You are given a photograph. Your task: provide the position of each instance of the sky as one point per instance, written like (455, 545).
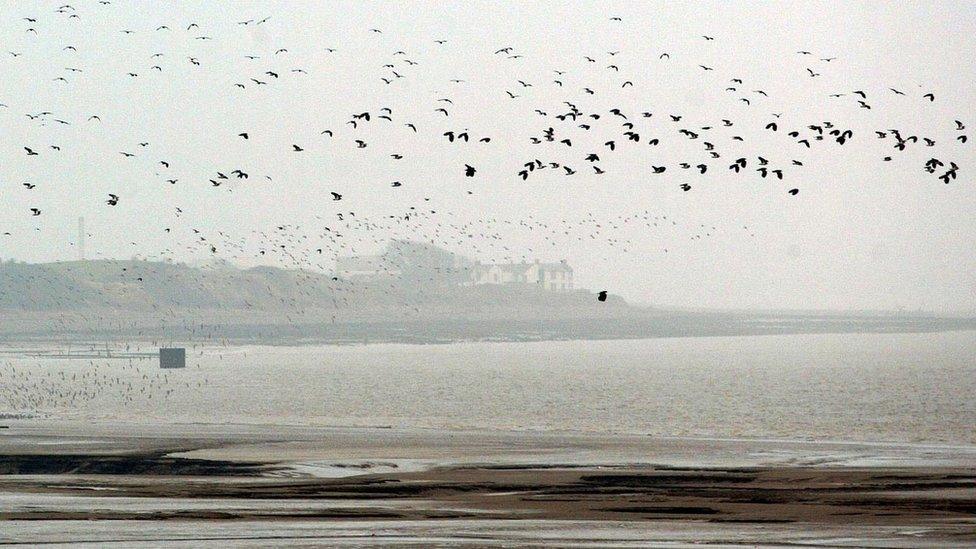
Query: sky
(861, 234)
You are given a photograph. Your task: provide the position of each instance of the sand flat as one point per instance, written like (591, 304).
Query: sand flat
(306, 486)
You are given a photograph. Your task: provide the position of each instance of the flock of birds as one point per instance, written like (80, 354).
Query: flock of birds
(578, 126)
(577, 120)
(563, 138)
(31, 386)
(597, 133)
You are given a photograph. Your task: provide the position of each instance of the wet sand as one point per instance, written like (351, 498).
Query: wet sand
(295, 485)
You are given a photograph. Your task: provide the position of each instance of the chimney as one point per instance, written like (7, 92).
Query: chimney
(81, 238)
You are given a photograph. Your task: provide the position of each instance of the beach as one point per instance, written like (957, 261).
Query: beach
(185, 485)
(810, 439)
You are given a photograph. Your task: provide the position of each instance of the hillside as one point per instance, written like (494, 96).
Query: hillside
(124, 300)
(145, 286)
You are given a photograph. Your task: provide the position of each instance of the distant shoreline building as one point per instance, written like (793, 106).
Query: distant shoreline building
(550, 276)
(407, 260)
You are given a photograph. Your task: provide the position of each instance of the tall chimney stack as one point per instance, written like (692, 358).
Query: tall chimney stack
(81, 238)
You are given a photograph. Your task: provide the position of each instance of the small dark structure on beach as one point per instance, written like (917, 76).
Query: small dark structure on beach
(172, 357)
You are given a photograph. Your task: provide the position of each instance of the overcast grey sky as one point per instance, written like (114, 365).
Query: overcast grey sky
(862, 233)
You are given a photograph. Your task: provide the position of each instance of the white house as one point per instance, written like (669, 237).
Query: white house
(409, 260)
(550, 276)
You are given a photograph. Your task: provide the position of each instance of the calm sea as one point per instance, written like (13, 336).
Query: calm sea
(862, 387)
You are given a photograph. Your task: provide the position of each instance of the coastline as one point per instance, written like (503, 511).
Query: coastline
(238, 327)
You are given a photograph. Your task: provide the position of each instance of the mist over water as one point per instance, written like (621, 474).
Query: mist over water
(860, 387)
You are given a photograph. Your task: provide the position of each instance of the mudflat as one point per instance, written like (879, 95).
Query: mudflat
(397, 481)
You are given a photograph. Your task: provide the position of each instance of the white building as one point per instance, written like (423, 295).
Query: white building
(550, 276)
(414, 261)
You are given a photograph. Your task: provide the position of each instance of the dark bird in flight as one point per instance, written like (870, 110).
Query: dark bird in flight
(113, 200)
(794, 192)
(30, 152)
(602, 296)
(296, 148)
(336, 196)
(469, 171)
(243, 134)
